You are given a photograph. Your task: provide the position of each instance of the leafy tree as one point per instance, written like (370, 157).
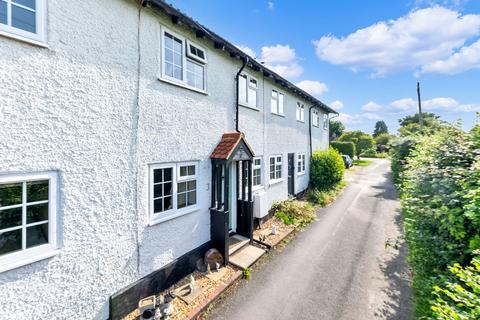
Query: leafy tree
(383, 139)
(362, 140)
(336, 129)
(410, 124)
(327, 169)
(380, 128)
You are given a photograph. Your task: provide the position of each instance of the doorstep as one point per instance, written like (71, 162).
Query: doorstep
(246, 256)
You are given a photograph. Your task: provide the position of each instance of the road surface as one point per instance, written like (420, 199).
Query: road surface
(346, 265)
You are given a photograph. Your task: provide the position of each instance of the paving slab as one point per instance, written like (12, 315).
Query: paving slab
(246, 256)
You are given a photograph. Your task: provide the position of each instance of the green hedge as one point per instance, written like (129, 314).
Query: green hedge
(346, 147)
(439, 181)
(327, 169)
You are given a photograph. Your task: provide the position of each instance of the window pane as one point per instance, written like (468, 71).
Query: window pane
(192, 185)
(242, 88)
(191, 170)
(157, 175)
(27, 3)
(177, 45)
(10, 218)
(3, 12)
(23, 19)
(167, 174)
(37, 235)
(258, 162)
(10, 194)
(192, 198)
(183, 171)
(280, 103)
(190, 79)
(157, 190)
(169, 69)
(10, 241)
(177, 59)
(37, 213)
(167, 203)
(157, 205)
(182, 187)
(37, 191)
(182, 200)
(273, 106)
(177, 73)
(168, 41)
(169, 55)
(252, 97)
(167, 189)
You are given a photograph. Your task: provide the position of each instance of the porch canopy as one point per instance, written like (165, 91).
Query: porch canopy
(232, 150)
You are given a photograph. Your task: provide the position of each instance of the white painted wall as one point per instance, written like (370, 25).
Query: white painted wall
(72, 107)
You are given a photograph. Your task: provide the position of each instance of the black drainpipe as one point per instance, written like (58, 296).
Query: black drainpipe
(245, 61)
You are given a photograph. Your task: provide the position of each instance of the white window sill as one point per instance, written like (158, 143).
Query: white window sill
(182, 85)
(175, 214)
(256, 188)
(301, 173)
(248, 107)
(276, 181)
(301, 121)
(23, 39)
(279, 114)
(48, 253)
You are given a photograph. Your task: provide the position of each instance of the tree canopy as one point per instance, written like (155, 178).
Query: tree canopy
(411, 124)
(362, 140)
(336, 129)
(380, 127)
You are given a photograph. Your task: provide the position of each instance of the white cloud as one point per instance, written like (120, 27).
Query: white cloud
(403, 104)
(407, 43)
(278, 54)
(247, 50)
(337, 104)
(282, 59)
(347, 119)
(445, 104)
(371, 106)
(467, 58)
(315, 88)
(270, 5)
(372, 116)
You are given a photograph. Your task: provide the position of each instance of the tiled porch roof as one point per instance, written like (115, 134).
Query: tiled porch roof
(227, 145)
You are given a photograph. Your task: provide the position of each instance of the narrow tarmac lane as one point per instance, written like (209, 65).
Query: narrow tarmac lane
(340, 267)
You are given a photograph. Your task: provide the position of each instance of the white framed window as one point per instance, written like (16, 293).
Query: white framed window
(257, 172)
(325, 121)
(173, 190)
(23, 19)
(301, 163)
(275, 168)
(183, 62)
(277, 102)
(300, 112)
(247, 91)
(315, 118)
(28, 218)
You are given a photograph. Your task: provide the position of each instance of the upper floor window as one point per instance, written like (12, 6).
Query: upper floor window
(27, 218)
(173, 189)
(183, 61)
(277, 102)
(275, 168)
(247, 91)
(257, 172)
(301, 163)
(315, 118)
(300, 112)
(325, 121)
(23, 18)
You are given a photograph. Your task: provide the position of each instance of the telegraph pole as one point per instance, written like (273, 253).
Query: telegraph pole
(420, 116)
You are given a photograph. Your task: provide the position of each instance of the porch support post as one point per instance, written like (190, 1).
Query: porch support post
(219, 186)
(214, 175)
(227, 189)
(250, 182)
(249, 203)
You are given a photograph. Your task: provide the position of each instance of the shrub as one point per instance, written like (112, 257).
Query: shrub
(361, 140)
(383, 139)
(398, 153)
(294, 212)
(369, 153)
(327, 169)
(459, 298)
(323, 198)
(345, 147)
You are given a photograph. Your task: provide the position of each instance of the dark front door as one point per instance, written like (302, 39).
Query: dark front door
(291, 174)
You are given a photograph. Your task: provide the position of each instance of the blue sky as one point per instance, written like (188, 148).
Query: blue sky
(362, 57)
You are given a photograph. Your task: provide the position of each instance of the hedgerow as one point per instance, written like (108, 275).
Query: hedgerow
(344, 147)
(438, 177)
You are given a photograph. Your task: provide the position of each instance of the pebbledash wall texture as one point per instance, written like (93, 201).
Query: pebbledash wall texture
(90, 106)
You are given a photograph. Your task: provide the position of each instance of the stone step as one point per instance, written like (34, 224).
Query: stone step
(236, 243)
(246, 256)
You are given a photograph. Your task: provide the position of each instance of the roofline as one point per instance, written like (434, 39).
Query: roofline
(220, 43)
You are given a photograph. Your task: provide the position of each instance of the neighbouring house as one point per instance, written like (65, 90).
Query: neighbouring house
(133, 139)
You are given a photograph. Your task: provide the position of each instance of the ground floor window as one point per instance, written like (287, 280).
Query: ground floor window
(173, 189)
(257, 172)
(301, 163)
(275, 168)
(27, 217)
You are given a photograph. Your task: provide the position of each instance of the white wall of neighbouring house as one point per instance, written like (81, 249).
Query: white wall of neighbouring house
(70, 108)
